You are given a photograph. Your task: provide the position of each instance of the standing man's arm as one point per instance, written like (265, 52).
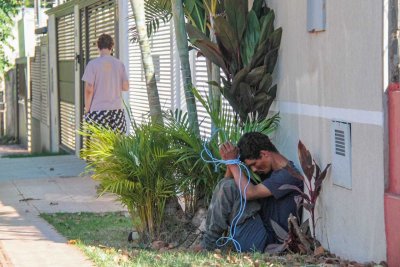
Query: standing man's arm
(125, 86)
(88, 96)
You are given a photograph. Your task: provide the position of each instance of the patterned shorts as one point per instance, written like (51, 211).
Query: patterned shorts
(114, 119)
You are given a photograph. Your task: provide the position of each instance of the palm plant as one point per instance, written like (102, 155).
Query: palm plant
(137, 168)
(246, 51)
(195, 178)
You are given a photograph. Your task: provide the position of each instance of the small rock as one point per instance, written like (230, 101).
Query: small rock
(319, 251)
(199, 217)
(157, 245)
(51, 169)
(133, 236)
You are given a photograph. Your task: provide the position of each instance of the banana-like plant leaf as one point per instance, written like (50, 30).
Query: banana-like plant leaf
(211, 51)
(305, 161)
(295, 188)
(272, 94)
(267, 25)
(319, 179)
(250, 38)
(236, 13)
(227, 42)
(258, 57)
(270, 60)
(238, 78)
(275, 38)
(196, 13)
(194, 33)
(255, 75)
(281, 233)
(257, 7)
(246, 97)
(265, 83)
(260, 100)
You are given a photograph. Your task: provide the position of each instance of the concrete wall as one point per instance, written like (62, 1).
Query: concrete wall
(337, 74)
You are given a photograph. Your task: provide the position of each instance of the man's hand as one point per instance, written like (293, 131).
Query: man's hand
(228, 151)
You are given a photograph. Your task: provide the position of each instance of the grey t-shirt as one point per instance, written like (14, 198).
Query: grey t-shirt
(278, 206)
(106, 74)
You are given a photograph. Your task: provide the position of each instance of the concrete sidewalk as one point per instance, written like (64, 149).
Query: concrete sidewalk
(30, 186)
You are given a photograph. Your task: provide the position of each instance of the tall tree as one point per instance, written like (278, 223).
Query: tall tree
(183, 49)
(157, 10)
(8, 9)
(151, 84)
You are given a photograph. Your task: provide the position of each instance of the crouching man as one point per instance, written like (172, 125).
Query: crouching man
(265, 201)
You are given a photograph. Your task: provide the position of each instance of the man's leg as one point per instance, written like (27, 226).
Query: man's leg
(251, 235)
(225, 204)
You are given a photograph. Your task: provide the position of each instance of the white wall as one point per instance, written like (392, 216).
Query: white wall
(337, 74)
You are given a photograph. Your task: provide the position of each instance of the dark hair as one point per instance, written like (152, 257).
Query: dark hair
(251, 144)
(105, 41)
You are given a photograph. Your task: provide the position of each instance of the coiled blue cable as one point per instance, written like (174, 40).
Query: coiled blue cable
(222, 241)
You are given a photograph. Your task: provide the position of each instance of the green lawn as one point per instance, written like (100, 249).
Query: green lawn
(103, 238)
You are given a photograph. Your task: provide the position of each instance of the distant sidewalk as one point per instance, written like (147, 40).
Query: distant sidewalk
(30, 186)
(12, 150)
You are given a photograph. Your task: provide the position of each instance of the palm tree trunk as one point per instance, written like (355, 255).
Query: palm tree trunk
(182, 44)
(151, 84)
(214, 74)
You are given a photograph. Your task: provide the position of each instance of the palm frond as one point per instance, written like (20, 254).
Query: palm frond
(155, 11)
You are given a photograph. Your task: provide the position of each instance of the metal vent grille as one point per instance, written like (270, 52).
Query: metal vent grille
(340, 148)
(341, 154)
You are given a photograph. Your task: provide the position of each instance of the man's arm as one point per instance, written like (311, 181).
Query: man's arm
(125, 86)
(229, 151)
(252, 191)
(88, 96)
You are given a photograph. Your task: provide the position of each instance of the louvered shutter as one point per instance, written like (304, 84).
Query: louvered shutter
(39, 83)
(161, 51)
(65, 57)
(200, 78)
(101, 18)
(44, 82)
(35, 83)
(200, 81)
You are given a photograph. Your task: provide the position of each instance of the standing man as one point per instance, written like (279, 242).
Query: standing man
(105, 78)
(265, 201)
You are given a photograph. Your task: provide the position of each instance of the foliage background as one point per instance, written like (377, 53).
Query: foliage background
(8, 9)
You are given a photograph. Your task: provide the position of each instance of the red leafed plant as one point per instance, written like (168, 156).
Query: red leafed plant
(297, 236)
(311, 170)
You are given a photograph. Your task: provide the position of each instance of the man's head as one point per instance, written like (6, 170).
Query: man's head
(105, 41)
(256, 150)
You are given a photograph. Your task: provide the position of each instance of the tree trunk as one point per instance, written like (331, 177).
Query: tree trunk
(182, 44)
(214, 74)
(151, 84)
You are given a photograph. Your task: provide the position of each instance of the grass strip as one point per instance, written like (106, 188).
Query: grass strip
(103, 238)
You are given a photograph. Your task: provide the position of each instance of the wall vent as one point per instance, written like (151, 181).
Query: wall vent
(341, 150)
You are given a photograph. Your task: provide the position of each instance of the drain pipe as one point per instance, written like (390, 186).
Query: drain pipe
(392, 192)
